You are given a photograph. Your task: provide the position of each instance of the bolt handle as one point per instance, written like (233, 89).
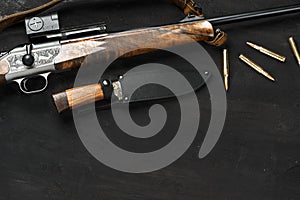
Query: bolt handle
(28, 58)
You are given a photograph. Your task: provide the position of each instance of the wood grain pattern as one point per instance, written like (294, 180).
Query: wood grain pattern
(84, 95)
(77, 97)
(121, 44)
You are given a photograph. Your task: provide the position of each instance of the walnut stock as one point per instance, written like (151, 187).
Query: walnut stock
(121, 44)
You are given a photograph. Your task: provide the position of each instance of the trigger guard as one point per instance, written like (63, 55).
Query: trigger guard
(23, 87)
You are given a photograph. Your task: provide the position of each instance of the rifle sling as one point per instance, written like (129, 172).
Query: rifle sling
(189, 7)
(219, 39)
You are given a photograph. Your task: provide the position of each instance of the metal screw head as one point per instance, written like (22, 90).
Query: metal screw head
(36, 24)
(206, 73)
(218, 30)
(105, 82)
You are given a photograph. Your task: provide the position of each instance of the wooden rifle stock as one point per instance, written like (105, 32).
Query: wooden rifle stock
(121, 44)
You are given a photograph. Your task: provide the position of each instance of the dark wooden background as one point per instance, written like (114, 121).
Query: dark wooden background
(257, 156)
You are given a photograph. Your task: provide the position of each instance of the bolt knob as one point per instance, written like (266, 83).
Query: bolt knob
(28, 60)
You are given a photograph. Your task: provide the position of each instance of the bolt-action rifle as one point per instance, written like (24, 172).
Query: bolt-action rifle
(23, 63)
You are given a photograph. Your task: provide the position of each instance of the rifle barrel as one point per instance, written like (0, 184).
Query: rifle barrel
(255, 15)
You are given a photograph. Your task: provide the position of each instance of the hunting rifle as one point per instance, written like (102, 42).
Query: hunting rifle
(32, 60)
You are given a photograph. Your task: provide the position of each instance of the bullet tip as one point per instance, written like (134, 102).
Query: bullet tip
(250, 44)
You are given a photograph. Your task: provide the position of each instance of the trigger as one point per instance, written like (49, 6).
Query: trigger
(24, 82)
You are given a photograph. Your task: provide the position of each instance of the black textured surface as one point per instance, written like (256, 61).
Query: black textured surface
(257, 156)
